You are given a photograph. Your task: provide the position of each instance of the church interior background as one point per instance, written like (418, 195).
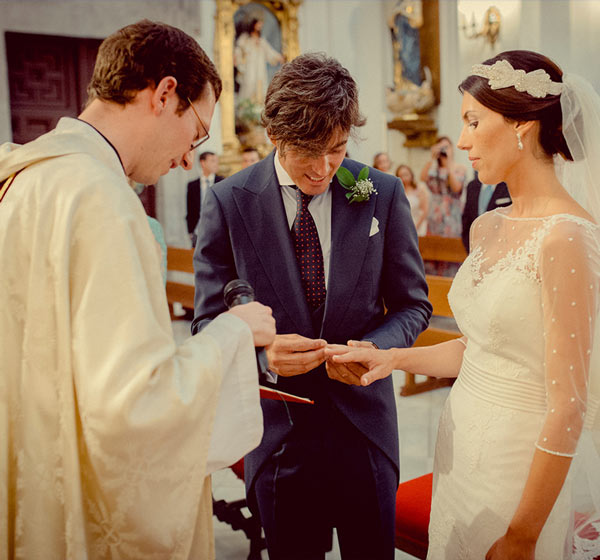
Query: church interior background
(454, 34)
(407, 56)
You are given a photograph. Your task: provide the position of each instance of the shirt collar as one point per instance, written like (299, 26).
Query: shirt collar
(284, 179)
(282, 174)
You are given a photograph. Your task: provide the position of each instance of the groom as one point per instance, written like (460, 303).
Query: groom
(331, 271)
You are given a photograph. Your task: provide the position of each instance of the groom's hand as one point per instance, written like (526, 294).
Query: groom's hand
(351, 372)
(292, 354)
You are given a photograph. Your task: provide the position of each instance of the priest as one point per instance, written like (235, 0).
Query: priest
(109, 430)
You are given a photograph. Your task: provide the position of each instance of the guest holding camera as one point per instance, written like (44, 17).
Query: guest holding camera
(445, 180)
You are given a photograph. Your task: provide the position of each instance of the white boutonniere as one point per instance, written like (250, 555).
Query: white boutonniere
(359, 189)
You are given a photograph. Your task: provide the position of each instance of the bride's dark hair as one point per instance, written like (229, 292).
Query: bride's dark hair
(521, 106)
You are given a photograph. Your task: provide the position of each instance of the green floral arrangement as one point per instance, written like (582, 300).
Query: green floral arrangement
(359, 189)
(249, 112)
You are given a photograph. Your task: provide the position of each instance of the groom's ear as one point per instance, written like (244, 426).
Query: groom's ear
(273, 140)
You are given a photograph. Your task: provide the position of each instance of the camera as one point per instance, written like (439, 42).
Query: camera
(441, 154)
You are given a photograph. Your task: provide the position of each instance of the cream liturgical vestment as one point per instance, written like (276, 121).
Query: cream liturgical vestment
(108, 429)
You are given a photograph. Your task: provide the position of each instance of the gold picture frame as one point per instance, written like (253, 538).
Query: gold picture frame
(286, 12)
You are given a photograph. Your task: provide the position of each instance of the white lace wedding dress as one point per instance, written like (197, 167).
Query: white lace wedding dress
(525, 298)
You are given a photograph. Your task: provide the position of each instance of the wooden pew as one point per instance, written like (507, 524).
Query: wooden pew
(180, 260)
(436, 248)
(440, 329)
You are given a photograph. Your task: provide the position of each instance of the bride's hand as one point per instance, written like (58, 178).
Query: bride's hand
(377, 363)
(349, 373)
(506, 548)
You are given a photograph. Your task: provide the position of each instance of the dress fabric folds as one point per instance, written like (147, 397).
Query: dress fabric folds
(525, 298)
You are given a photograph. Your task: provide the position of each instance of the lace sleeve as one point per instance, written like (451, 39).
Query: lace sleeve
(569, 277)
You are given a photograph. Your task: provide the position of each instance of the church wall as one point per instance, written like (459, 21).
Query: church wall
(97, 19)
(355, 32)
(89, 19)
(566, 31)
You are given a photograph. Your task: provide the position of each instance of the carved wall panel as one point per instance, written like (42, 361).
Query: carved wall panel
(47, 78)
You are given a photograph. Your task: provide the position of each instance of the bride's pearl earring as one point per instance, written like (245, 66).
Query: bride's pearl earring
(519, 143)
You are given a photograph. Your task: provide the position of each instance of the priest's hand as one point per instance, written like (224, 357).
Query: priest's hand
(292, 354)
(260, 319)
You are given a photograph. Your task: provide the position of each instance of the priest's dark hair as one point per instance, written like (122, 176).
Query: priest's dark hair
(142, 54)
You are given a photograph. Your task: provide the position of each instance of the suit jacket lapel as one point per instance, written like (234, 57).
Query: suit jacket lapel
(499, 192)
(261, 207)
(350, 229)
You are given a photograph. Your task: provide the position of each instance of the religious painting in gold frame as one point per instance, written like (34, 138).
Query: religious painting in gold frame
(286, 14)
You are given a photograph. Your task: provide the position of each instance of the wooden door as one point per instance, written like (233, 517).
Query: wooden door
(48, 77)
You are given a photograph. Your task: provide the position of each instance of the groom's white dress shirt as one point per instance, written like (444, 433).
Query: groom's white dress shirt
(319, 206)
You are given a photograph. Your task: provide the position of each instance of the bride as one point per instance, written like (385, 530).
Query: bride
(516, 442)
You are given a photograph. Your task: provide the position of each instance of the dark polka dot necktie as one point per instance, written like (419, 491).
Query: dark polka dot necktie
(308, 252)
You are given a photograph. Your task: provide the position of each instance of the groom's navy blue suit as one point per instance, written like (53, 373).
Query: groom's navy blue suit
(376, 291)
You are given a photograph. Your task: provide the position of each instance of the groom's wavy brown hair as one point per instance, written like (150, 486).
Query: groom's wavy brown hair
(308, 100)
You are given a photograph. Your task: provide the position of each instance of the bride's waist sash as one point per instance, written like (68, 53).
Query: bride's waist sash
(510, 392)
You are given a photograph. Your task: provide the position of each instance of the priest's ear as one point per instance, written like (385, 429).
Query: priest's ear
(164, 94)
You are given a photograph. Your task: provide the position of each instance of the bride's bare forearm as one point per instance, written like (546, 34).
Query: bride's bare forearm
(544, 483)
(439, 360)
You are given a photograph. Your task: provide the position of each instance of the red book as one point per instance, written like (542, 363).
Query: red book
(269, 393)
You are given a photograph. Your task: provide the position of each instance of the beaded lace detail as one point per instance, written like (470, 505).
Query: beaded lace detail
(501, 74)
(538, 277)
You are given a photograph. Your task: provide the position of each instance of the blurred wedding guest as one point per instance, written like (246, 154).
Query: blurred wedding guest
(110, 430)
(197, 189)
(517, 465)
(249, 156)
(382, 162)
(480, 199)
(418, 198)
(445, 180)
(157, 230)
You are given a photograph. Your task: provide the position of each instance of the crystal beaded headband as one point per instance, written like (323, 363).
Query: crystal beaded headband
(501, 74)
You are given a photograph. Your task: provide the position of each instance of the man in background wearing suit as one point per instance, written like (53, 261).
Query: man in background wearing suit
(481, 199)
(197, 189)
(325, 266)
(249, 157)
